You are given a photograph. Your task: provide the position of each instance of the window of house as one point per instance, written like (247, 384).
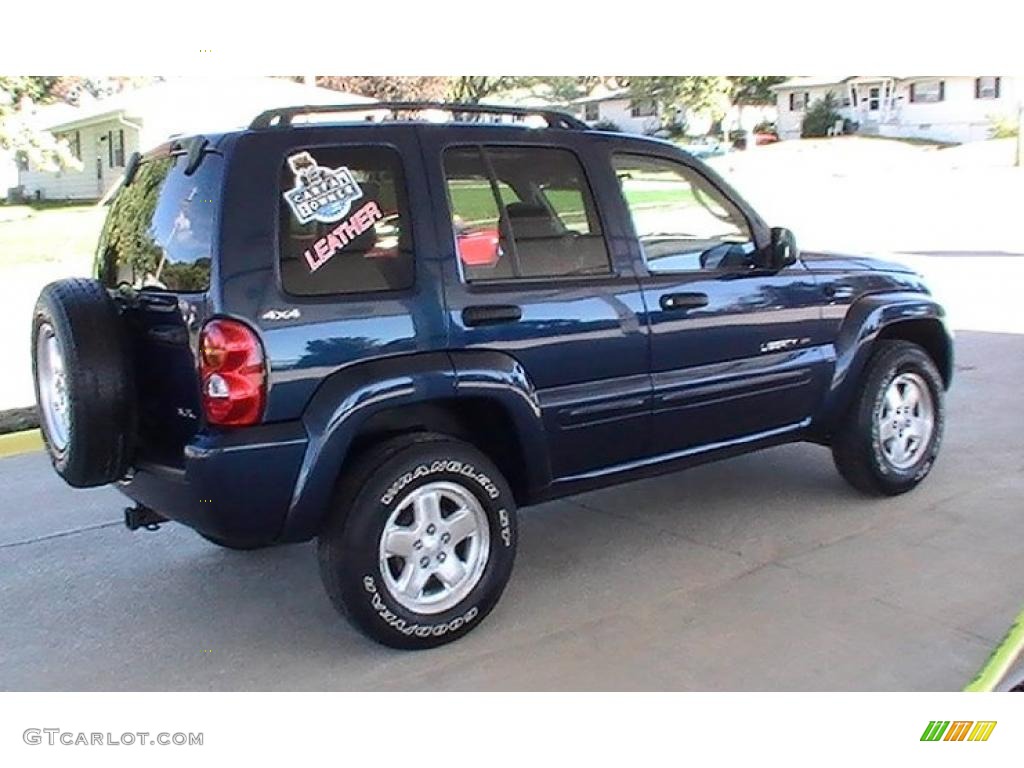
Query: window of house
(799, 101)
(986, 88)
(523, 212)
(927, 91)
(591, 111)
(115, 148)
(682, 221)
(344, 222)
(643, 109)
(74, 140)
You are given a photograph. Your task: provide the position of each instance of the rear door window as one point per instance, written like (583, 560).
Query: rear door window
(161, 229)
(344, 222)
(523, 212)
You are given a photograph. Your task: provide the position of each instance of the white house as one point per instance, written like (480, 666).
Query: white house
(617, 106)
(35, 117)
(104, 133)
(953, 108)
(644, 116)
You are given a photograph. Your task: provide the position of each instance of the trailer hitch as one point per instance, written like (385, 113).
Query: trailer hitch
(142, 517)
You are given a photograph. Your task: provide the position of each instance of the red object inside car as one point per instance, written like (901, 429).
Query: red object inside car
(479, 248)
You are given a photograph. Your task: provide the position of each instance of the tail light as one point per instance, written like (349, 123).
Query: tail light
(233, 374)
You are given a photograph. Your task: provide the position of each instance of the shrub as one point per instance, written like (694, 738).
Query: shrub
(1002, 126)
(766, 126)
(606, 125)
(820, 116)
(667, 131)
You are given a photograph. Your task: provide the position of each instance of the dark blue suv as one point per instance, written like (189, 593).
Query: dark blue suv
(387, 332)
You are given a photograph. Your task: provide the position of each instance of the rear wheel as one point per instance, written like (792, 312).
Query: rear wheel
(84, 382)
(421, 543)
(891, 436)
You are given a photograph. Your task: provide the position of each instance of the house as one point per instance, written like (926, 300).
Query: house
(8, 172)
(104, 133)
(617, 106)
(953, 108)
(645, 116)
(34, 117)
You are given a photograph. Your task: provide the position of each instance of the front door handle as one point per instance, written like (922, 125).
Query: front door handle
(839, 291)
(492, 314)
(670, 301)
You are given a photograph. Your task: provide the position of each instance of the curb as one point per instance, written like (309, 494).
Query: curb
(1002, 658)
(17, 443)
(18, 419)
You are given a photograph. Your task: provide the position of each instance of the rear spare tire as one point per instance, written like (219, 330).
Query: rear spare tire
(84, 382)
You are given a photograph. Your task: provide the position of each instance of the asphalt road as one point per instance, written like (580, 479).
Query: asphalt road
(765, 572)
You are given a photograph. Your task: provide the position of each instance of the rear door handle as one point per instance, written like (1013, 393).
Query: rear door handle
(492, 314)
(670, 301)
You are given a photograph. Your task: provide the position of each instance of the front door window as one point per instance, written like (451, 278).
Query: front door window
(682, 221)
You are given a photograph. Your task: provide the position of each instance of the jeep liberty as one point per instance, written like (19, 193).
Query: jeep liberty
(389, 334)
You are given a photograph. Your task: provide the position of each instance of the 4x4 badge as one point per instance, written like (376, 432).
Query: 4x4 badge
(320, 194)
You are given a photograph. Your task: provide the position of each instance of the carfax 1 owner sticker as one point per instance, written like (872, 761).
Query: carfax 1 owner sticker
(326, 195)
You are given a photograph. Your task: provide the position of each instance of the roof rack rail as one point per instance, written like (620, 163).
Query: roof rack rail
(283, 116)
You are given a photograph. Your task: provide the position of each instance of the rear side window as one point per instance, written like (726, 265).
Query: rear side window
(523, 212)
(160, 231)
(344, 222)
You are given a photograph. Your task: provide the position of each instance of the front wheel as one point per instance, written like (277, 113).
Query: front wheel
(421, 543)
(891, 436)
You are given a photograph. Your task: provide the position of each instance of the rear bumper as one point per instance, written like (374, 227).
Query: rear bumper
(235, 485)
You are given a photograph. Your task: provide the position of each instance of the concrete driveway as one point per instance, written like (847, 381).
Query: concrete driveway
(761, 573)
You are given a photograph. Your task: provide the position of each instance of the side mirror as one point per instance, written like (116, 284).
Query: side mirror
(783, 248)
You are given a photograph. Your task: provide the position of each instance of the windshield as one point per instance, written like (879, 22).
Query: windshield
(160, 232)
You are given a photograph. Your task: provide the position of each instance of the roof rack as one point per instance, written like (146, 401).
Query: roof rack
(283, 116)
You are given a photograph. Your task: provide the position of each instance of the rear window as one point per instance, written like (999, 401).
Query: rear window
(344, 222)
(160, 231)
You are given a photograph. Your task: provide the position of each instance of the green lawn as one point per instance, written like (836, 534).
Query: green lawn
(474, 202)
(30, 234)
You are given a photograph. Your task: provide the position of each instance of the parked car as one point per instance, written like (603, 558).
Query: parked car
(390, 336)
(740, 138)
(704, 147)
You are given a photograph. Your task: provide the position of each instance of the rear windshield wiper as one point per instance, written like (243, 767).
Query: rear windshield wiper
(194, 149)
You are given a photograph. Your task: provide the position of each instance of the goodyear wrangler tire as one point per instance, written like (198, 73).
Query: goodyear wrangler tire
(421, 543)
(892, 433)
(84, 382)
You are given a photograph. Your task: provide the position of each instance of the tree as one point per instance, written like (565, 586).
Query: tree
(698, 93)
(560, 89)
(472, 89)
(384, 88)
(747, 90)
(69, 88)
(467, 89)
(38, 89)
(20, 136)
(820, 116)
(564, 89)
